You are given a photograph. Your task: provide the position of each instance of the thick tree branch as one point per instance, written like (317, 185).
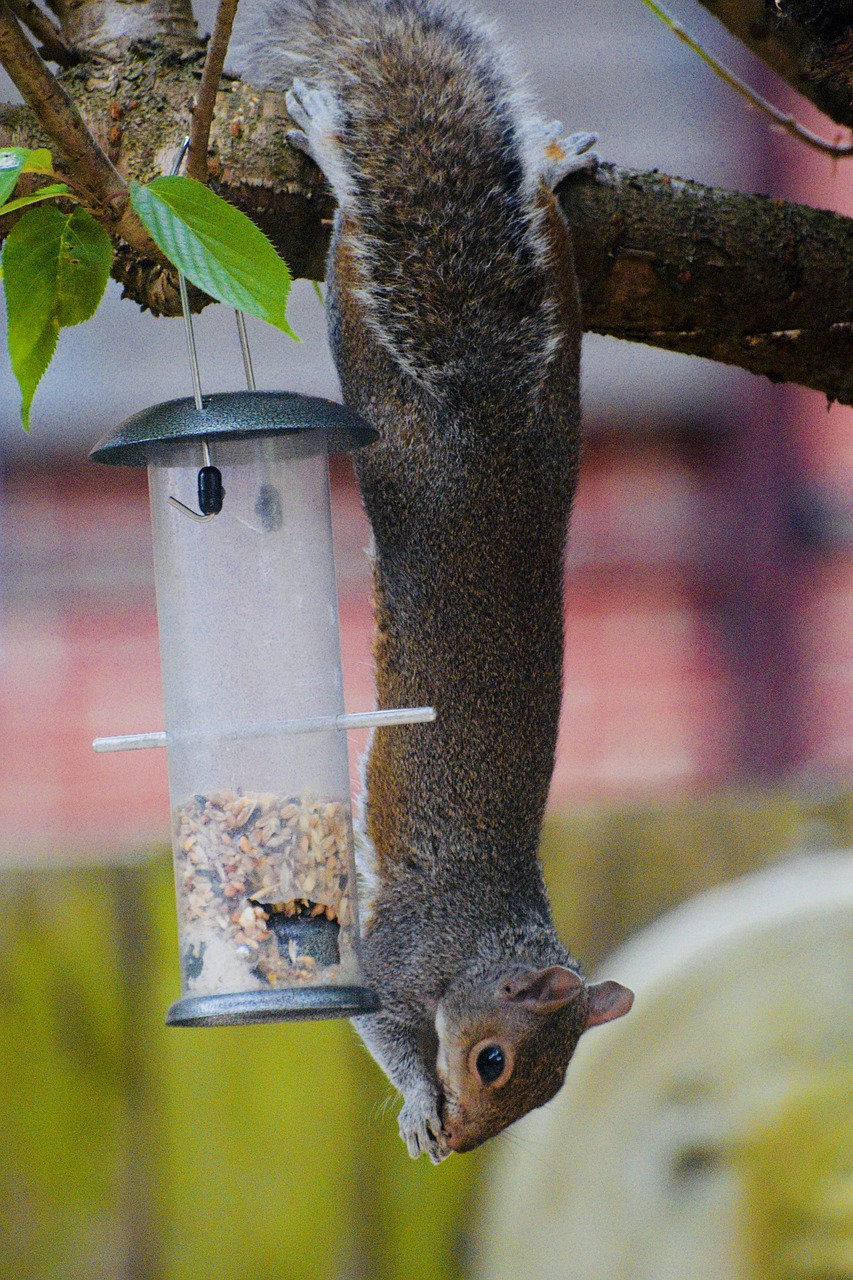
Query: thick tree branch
(738, 278)
(744, 279)
(821, 70)
(138, 105)
(210, 81)
(104, 28)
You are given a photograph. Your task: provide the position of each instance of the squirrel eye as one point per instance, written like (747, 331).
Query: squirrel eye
(490, 1063)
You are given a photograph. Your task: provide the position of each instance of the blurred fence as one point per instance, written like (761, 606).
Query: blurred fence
(137, 1152)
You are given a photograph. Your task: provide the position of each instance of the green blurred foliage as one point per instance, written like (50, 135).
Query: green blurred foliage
(133, 1149)
(612, 871)
(269, 1153)
(797, 1171)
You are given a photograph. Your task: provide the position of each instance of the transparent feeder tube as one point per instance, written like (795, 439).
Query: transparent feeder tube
(248, 622)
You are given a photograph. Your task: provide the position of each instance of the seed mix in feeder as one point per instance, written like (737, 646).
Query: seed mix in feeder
(264, 891)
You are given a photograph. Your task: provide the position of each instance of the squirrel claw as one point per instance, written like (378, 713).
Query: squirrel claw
(421, 1129)
(564, 155)
(298, 103)
(310, 108)
(299, 140)
(299, 100)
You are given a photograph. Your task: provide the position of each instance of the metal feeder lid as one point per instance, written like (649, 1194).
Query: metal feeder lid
(228, 415)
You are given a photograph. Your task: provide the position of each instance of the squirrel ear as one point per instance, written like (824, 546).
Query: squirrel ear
(607, 1000)
(542, 990)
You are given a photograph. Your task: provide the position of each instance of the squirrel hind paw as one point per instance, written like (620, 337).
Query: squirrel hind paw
(562, 155)
(421, 1128)
(315, 111)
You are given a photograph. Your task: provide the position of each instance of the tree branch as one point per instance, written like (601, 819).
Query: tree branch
(782, 118)
(738, 278)
(137, 105)
(54, 45)
(211, 77)
(105, 28)
(744, 279)
(89, 167)
(815, 70)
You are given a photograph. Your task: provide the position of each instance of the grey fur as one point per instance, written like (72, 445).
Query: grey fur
(456, 333)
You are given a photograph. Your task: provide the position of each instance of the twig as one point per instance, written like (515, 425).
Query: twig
(56, 112)
(210, 78)
(89, 166)
(56, 47)
(788, 123)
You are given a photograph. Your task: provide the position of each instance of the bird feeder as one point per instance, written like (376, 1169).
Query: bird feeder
(253, 700)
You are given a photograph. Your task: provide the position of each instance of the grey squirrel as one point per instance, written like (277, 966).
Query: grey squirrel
(454, 322)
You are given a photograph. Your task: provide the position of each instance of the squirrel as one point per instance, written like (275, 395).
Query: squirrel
(453, 316)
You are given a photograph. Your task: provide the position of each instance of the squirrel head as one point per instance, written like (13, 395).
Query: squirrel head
(504, 1045)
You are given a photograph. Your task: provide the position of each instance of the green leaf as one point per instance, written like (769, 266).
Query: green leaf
(56, 268)
(38, 161)
(11, 163)
(215, 246)
(44, 193)
(17, 160)
(84, 268)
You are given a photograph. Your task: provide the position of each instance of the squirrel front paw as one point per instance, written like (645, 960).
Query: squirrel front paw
(421, 1128)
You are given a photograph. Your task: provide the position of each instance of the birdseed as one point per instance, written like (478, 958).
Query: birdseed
(247, 864)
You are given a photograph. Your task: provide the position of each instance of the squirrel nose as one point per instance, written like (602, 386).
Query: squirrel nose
(452, 1136)
(455, 1133)
(451, 1126)
(457, 1139)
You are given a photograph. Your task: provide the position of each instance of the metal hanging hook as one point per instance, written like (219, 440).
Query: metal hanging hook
(210, 490)
(185, 302)
(244, 347)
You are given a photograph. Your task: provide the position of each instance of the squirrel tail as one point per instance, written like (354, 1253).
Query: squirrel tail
(436, 161)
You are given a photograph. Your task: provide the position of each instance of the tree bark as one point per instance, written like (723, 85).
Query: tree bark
(138, 107)
(104, 27)
(744, 279)
(90, 171)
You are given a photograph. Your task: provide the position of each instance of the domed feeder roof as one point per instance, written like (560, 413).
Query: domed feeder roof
(230, 415)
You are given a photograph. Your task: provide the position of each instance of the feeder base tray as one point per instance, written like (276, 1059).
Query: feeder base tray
(283, 1005)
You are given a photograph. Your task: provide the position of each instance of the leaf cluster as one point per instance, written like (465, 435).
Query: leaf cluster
(56, 263)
